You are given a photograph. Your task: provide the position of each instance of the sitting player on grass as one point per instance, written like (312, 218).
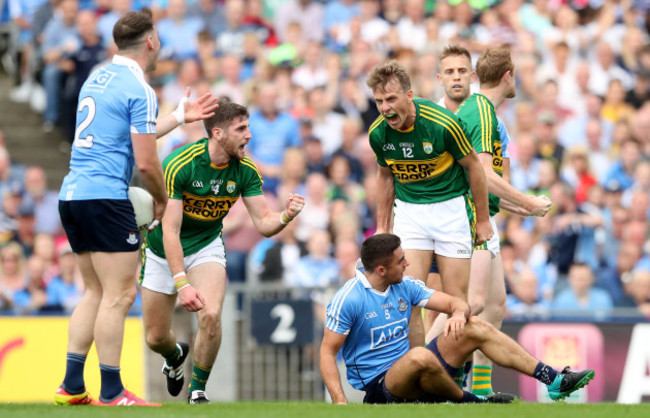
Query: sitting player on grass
(369, 318)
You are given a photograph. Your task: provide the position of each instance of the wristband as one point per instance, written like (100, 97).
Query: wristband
(183, 287)
(181, 284)
(284, 218)
(177, 275)
(179, 112)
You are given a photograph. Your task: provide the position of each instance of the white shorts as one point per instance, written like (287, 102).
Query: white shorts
(442, 227)
(494, 243)
(157, 276)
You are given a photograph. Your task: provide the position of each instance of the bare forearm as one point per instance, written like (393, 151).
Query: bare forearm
(457, 307)
(385, 200)
(165, 124)
(331, 377)
(173, 252)
(501, 188)
(478, 185)
(154, 180)
(270, 224)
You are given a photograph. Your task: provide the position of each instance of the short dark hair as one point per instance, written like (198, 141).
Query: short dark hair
(492, 65)
(454, 50)
(131, 28)
(225, 114)
(378, 249)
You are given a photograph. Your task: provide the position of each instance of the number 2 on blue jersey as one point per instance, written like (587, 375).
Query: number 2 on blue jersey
(79, 140)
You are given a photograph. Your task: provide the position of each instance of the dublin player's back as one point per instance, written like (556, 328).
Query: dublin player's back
(114, 102)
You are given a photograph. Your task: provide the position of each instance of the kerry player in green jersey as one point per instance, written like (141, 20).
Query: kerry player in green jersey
(486, 294)
(426, 168)
(187, 257)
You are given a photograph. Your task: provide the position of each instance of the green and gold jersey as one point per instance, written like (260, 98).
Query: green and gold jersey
(481, 127)
(423, 158)
(208, 192)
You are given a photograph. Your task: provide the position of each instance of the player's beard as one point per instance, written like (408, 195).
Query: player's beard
(232, 148)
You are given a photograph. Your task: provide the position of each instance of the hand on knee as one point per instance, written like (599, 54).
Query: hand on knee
(476, 304)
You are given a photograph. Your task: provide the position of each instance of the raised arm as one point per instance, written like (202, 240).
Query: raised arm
(330, 346)
(187, 112)
(269, 223)
(535, 205)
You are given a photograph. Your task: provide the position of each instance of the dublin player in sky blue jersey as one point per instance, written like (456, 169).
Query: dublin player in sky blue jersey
(368, 318)
(116, 128)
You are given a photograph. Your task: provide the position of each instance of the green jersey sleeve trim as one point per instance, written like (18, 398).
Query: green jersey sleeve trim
(487, 122)
(175, 164)
(452, 126)
(256, 188)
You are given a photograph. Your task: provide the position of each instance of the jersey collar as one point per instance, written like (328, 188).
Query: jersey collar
(364, 281)
(122, 60)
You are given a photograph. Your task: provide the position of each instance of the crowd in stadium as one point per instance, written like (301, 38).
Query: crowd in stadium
(580, 128)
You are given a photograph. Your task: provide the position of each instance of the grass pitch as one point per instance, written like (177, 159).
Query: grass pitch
(322, 410)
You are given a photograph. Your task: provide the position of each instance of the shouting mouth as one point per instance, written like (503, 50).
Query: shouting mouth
(391, 117)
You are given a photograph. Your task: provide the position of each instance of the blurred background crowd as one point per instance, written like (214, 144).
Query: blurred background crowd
(580, 128)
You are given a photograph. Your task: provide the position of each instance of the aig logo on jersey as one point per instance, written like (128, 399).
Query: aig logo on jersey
(428, 147)
(388, 334)
(101, 79)
(231, 186)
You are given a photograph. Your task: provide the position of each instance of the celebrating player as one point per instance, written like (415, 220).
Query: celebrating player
(187, 257)
(116, 126)
(369, 319)
(421, 151)
(488, 134)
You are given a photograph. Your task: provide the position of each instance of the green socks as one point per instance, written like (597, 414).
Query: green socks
(482, 380)
(200, 376)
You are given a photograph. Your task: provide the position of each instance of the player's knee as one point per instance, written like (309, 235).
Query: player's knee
(478, 329)
(210, 319)
(120, 300)
(476, 303)
(424, 360)
(155, 337)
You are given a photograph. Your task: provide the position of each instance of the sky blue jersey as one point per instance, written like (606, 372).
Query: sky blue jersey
(114, 102)
(505, 138)
(376, 324)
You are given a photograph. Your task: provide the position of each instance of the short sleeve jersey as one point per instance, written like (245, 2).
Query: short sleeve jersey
(207, 191)
(423, 158)
(114, 102)
(481, 126)
(376, 324)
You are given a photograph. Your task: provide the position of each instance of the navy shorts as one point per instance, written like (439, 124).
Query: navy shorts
(104, 225)
(376, 393)
(434, 266)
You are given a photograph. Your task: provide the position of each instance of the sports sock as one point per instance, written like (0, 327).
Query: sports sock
(111, 382)
(73, 382)
(482, 380)
(545, 373)
(200, 376)
(466, 373)
(172, 357)
(458, 376)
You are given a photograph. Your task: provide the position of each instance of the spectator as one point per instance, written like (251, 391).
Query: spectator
(59, 41)
(118, 8)
(315, 215)
(604, 69)
(346, 253)
(581, 297)
(622, 171)
(576, 171)
(279, 262)
(525, 168)
(12, 278)
(638, 291)
(525, 301)
(179, 33)
(66, 289)
(614, 107)
(231, 40)
(316, 269)
(230, 85)
(612, 279)
(308, 14)
(273, 131)
(211, 13)
(327, 124)
(45, 202)
(32, 298)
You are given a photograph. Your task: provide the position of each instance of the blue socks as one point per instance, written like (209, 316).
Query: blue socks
(469, 397)
(73, 383)
(545, 373)
(111, 382)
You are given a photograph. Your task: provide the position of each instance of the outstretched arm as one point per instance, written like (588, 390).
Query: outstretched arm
(456, 308)
(187, 112)
(330, 346)
(535, 205)
(269, 223)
